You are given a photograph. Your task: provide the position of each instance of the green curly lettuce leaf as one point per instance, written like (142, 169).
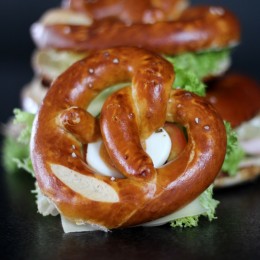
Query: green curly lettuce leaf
(25, 164)
(234, 153)
(16, 152)
(192, 68)
(186, 222)
(207, 202)
(11, 149)
(26, 119)
(187, 80)
(203, 64)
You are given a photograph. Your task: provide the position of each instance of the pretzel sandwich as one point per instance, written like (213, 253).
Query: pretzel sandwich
(236, 98)
(67, 34)
(197, 29)
(63, 128)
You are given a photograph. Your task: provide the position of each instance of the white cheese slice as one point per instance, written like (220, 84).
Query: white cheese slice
(248, 135)
(192, 209)
(250, 161)
(158, 147)
(94, 160)
(251, 146)
(69, 226)
(63, 16)
(249, 130)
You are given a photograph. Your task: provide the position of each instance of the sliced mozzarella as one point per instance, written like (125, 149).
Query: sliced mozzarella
(69, 226)
(158, 147)
(251, 146)
(95, 161)
(249, 136)
(249, 130)
(192, 209)
(250, 161)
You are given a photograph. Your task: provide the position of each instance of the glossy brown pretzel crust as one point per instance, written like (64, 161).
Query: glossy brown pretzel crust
(146, 194)
(198, 28)
(129, 11)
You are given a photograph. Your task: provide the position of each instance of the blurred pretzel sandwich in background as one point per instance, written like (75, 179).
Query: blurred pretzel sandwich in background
(236, 98)
(197, 39)
(130, 98)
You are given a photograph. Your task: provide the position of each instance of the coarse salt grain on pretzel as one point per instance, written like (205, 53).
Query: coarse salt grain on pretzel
(63, 129)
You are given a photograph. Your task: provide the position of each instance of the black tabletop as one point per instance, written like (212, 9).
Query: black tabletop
(25, 234)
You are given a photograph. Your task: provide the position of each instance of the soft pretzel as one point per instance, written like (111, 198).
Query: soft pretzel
(129, 11)
(63, 129)
(236, 97)
(198, 28)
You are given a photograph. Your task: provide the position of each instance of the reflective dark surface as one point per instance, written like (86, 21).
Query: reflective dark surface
(27, 235)
(24, 234)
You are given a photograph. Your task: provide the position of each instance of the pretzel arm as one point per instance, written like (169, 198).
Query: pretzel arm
(81, 124)
(121, 137)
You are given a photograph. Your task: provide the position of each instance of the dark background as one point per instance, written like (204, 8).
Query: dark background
(24, 234)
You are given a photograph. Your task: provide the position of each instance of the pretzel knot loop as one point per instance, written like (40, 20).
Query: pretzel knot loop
(63, 130)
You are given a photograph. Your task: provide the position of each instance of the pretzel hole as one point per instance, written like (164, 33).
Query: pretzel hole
(158, 146)
(162, 146)
(96, 104)
(160, 150)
